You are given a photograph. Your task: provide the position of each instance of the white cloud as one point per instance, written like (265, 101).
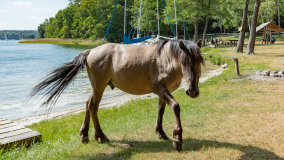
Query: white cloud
(22, 3)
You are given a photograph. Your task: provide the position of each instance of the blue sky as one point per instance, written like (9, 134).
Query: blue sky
(27, 14)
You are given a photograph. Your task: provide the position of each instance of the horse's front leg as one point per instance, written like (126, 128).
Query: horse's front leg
(177, 132)
(85, 126)
(159, 125)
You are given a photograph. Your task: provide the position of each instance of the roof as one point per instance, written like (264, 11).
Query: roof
(270, 25)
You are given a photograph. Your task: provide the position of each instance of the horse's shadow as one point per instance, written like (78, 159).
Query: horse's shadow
(128, 148)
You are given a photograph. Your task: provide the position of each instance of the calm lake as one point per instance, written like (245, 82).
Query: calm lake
(23, 65)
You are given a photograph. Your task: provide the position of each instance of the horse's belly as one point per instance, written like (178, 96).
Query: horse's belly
(132, 84)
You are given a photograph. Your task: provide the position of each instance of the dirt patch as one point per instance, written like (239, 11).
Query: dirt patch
(264, 78)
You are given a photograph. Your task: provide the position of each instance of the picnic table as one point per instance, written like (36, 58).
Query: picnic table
(235, 42)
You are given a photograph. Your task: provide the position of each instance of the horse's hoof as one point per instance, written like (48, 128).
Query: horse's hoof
(177, 145)
(104, 140)
(85, 139)
(163, 137)
(101, 139)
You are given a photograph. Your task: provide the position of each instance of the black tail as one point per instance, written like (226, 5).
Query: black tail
(58, 79)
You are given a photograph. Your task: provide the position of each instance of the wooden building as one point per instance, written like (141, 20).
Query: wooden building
(267, 28)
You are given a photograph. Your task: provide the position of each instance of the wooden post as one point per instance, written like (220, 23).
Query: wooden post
(236, 65)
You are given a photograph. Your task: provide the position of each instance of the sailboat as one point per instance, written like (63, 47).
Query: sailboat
(6, 37)
(138, 40)
(149, 39)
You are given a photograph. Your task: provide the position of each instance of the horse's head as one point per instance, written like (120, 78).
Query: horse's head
(191, 60)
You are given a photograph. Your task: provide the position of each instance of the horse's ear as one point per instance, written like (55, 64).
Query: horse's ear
(182, 46)
(199, 43)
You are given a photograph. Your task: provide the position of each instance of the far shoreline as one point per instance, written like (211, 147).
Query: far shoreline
(76, 42)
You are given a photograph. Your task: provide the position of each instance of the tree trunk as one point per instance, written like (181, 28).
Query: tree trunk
(196, 29)
(240, 45)
(205, 30)
(251, 43)
(249, 23)
(278, 7)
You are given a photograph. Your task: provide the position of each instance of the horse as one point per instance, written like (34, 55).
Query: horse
(156, 68)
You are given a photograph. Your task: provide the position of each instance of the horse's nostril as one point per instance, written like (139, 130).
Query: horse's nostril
(187, 92)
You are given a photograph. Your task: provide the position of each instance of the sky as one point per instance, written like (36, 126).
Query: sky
(27, 14)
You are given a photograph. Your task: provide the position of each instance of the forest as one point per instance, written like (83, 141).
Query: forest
(18, 34)
(89, 19)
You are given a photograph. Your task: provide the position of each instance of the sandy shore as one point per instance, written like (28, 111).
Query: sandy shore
(114, 102)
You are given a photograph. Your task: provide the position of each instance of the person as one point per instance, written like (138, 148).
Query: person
(263, 40)
(273, 40)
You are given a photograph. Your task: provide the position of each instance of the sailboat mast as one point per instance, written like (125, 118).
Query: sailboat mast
(176, 19)
(125, 17)
(158, 17)
(139, 20)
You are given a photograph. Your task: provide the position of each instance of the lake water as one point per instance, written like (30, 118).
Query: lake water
(23, 65)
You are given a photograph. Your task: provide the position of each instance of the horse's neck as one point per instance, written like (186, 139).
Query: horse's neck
(170, 64)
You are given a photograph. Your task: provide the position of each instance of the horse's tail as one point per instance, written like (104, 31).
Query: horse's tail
(58, 79)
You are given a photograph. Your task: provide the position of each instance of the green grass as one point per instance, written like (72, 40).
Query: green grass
(230, 120)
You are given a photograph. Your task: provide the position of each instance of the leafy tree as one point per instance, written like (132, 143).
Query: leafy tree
(42, 29)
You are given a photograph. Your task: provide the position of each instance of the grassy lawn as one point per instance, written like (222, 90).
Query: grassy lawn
(234, 118)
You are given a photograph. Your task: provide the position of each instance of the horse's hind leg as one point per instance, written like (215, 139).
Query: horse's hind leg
(85, 126)
(159, 125)
(93, 107)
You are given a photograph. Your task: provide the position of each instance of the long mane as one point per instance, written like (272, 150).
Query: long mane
(189, 54)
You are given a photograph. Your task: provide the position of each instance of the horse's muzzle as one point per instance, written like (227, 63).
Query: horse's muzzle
(193, 94)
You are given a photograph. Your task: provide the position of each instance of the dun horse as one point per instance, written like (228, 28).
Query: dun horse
(157, 68)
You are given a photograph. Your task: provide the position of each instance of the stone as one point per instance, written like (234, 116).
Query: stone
(274, 74)
(265, 73)
(258, 73)
(224, 66)
(280, 74)
(282, 71)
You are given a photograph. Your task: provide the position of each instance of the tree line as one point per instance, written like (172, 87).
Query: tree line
(89, 19)
(17, 35)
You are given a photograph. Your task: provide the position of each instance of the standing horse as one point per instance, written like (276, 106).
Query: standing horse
(157, 68)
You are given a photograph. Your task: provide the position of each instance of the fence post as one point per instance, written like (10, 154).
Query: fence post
(236, 65)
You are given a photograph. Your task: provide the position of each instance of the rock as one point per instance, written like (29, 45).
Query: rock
(274, 74)
(211, 46)
(258, 73)
(265, 73)
(282, 71)
(280, 74)
(224, 66)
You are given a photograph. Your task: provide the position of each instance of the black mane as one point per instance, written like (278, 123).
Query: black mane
(189, 53)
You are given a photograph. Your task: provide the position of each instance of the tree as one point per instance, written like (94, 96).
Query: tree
(240, 45)
(278, 10)
(42, 29)
(196, 29)
(267, 11)
(206, 7)
(251, 43)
